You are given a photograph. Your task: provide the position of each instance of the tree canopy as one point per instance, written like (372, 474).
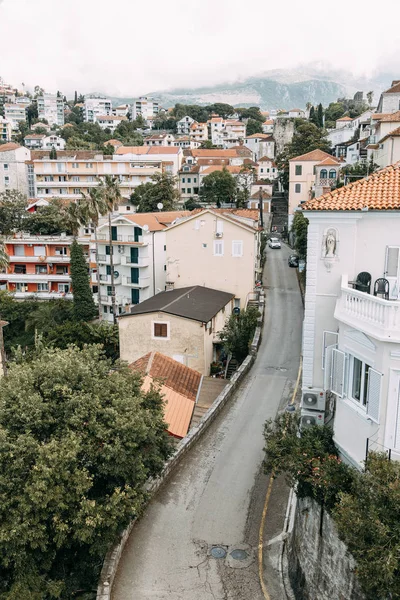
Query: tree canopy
(78, 441)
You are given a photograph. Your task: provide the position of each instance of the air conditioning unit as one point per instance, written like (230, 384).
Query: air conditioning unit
(121, 249)
(313, 399)
(309, 418)
(218, 234)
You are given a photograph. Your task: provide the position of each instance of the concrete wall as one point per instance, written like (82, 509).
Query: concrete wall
(320, 567)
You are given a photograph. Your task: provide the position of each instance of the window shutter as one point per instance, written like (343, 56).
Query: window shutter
(338, 366)
(374, 394)
(329, 338)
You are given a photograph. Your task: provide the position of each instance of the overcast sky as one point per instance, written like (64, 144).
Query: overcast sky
(130, 47)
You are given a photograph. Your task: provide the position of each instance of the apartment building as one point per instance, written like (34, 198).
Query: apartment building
(139, 258)
(145, 107)
(302, 177)
(39, 266)
(5, 130)
(215, 248)
(94, 107)
(110, 122)
(51, 108)
(76, 172)
(14, 168)
(351, 333)
(15, 114)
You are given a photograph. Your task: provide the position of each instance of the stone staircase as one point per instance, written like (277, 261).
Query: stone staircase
(211, 387)
(279, 209)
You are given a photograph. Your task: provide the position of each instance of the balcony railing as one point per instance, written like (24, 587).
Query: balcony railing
(374, 316)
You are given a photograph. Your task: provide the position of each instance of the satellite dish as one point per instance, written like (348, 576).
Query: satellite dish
(145, 227)
(160, 205)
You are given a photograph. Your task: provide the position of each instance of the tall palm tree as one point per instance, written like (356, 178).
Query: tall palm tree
(93, 206)
(109, 190)
(3, 265)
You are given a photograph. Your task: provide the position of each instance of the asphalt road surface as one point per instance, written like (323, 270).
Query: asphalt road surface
(216, 494)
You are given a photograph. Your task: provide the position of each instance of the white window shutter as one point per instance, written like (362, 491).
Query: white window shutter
(374, 394)
(329, 338)
(338, 372)
(328, 367)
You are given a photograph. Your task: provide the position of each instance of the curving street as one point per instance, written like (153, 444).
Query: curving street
(216, 494)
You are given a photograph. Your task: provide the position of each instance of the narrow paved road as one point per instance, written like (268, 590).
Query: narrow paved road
(215, 495)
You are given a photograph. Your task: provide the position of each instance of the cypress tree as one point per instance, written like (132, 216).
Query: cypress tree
(84, 307)
(320, 115)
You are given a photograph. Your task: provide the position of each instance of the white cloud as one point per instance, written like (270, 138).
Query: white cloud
(136, 46)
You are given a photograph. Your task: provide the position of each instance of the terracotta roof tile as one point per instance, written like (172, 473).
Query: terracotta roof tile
(379, 191)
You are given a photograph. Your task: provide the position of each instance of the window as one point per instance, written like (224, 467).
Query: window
(42, 287)
(218, 248)
(359, 380)
(160, 330)
(332, 174)
(297, 188)
(323, 174)
(237, 248)
(40, 269)
(299, 170)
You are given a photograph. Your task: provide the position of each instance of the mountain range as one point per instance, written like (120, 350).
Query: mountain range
(279, 88)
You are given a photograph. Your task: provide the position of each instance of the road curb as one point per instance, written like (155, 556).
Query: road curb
(113, 557)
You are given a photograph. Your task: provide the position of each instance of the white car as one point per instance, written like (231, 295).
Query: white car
(274, 243)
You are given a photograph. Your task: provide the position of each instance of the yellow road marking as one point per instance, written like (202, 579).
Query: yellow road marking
(266, 503)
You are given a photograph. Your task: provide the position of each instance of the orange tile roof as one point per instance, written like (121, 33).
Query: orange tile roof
(316, 155)
(379, 191)
(9, 146)
(178, 385)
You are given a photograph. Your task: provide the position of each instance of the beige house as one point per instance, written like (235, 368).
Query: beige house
(182, 324)
(302, 177)
(217, 248)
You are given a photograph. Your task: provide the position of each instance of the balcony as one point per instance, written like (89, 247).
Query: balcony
(373, 316)
(141, 283)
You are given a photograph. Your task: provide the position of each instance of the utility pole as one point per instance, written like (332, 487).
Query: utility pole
(260, 206)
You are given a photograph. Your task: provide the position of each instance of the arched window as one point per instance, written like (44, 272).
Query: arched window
(332, 174)
(323, 174)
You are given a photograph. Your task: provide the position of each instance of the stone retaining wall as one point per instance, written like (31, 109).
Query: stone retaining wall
(111, 561)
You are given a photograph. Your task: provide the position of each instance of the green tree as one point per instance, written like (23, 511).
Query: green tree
(93, 206)
(253, 126)
(300, 228)
(238, 333)
(83, 303)
(78, 442)
(13, 206)
(218, 187)
(162, 189)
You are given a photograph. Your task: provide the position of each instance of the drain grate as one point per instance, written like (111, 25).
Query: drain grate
(239, 554)
(218, 552)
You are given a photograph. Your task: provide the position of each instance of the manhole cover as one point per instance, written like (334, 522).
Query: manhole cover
(239, 554)
(218, 552)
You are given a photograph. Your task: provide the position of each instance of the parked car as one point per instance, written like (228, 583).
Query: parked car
(274, 243)
(293, 260)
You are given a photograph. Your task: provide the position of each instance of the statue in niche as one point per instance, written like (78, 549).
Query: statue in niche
(330, 243)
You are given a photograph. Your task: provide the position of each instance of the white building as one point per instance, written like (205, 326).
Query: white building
(183, 125)
(139, 258)
(93, 107)
(41, 141)
(145, 107)
(110, 122)
(51, 108)
(351, 333)
(15, 114)
(14, 168)
(389, 101)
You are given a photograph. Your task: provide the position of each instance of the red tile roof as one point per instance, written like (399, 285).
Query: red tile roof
(379, 191)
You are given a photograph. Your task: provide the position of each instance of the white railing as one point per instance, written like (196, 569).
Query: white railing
(372, 315)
